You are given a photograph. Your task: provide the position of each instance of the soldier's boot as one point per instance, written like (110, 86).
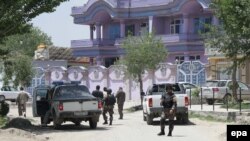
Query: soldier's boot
(111, 120)
(162, 132)
(121, 116)
(171, 127)
(105, 122)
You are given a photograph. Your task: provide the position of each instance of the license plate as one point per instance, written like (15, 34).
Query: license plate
(81, 113)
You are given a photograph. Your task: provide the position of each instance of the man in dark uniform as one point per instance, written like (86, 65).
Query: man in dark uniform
(120, 96)
(168, 101)
(21, 101)
(97, 93)
(108, 106)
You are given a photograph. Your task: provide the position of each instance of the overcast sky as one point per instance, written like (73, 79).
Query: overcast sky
(59, 24)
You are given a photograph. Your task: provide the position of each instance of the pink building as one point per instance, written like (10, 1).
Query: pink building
(177, 22)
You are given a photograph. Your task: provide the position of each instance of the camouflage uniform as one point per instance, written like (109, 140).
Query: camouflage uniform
(108, 106)
(21, 100)
(168, 101)
(120, 101)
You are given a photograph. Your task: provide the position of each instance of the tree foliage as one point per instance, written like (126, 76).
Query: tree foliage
(15, 14)
(142, 53)
(231, 38)
(17, 53)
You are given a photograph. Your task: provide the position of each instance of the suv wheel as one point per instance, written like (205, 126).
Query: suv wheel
(210, 101)
(92, 124)
(149, 120)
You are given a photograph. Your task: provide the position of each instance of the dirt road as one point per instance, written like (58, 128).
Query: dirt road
(131, 128)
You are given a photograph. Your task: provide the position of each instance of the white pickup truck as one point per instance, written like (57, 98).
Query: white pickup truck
(220, 90)
(151, 102)
(10, 93)
(66, 103)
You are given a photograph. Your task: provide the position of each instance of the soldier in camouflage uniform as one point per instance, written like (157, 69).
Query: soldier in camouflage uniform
(21, 100)
(108, 106)
(120, 96)
(168, 101)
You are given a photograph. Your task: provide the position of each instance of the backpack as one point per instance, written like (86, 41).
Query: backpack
(112, 100)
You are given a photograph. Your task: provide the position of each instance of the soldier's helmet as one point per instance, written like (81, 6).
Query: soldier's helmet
(109, 91)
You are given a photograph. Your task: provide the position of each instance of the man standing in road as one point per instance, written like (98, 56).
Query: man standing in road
(120, 96)
(97, 93)
(109, 103)
(168, 101)
(21, 100)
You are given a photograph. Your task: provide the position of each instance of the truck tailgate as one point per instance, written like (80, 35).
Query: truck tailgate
(180, 100)
(80, 105)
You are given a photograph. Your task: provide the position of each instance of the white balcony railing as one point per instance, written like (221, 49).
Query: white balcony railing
(213, 52)
(92, 43)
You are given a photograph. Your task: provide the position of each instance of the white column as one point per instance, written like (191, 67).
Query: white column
(185, 23)
(91, 27)
(150, 23)
(98, 60)
(98, 31)
(215, 21)
(122, 29)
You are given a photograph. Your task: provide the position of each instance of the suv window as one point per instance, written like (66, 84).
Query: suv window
(42, 92)
(222, 83)
(69, 92)
(211, 83)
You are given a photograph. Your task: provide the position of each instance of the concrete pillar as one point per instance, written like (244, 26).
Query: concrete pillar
(98, 31)
(215, 21)
(122, 29)
(150, 23)
(91, 32)
(98, 60)
(185, 23)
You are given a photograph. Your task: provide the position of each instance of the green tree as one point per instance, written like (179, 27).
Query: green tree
(231, 37)
(18, 51)
(16, 14)
(143, 53)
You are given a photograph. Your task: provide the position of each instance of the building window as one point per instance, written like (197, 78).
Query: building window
(176, 26)
(201, 23)
(130, 29)
(179, 59)
(144, 26)
(194, 57)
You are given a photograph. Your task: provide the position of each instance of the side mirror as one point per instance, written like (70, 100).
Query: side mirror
(2, 98)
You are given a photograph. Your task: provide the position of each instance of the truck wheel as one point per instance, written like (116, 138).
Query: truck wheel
(178, 118)
(77, 123)
(42, 119)
(144, 117)
(210, 101)
(185, 119)
(92, 124)
(149, 120)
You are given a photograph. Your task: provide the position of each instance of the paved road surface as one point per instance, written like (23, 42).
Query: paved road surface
(132, 128)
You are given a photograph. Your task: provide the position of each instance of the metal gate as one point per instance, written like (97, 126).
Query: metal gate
(192, 72)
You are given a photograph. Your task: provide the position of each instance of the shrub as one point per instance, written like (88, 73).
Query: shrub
(4, 108)
(195, 92)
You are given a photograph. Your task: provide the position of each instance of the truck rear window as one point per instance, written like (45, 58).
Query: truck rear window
(159, 89)
(69, 92)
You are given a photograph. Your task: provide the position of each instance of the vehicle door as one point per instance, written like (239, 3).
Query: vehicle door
(245, 91)
(40, 101)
